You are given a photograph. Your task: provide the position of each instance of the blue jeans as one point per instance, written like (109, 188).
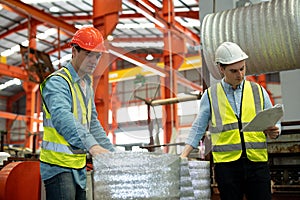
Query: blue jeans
(63, 187)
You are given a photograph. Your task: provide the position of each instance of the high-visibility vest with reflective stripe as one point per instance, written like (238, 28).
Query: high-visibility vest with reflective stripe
(224, 125)
(55, 149)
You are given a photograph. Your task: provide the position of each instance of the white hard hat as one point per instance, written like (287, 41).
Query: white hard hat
(228, 53)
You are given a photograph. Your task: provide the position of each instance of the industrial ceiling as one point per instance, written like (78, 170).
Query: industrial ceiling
(137, 30)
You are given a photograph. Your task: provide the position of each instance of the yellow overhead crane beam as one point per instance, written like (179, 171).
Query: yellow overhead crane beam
(3, 59)
(130, 73)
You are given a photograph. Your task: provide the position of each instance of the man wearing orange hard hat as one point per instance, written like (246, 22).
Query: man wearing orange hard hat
(71, 126)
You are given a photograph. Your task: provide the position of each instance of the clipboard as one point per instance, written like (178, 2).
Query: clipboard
(265, 119)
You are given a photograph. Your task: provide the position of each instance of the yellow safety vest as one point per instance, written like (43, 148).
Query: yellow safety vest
(55, 149)
(225, 126)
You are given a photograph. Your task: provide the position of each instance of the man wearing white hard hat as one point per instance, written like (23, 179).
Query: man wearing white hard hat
(240, 158)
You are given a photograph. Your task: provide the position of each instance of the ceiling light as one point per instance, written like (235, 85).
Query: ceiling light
(9, 83)
(1, 7)
(25, 43)
(15, 48)
(149, 57)
(51, 31)
(110, 38)
(41, 36)
(47, 33)
(54, 9)
(7, 52)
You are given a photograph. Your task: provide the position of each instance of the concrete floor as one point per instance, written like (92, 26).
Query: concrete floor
(274, 197)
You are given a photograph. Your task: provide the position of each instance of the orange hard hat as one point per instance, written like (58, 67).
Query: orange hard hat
(89, 38)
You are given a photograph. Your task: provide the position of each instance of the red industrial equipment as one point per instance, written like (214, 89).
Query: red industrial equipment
(20, 180)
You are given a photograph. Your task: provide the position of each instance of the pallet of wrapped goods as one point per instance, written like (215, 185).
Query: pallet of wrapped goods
(200, 175)
(136, 175)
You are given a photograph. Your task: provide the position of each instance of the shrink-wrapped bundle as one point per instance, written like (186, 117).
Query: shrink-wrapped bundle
(136, 175)
(186, 187)
(200, 175)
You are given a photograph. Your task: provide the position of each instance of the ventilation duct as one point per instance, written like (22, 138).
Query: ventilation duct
(268, 32)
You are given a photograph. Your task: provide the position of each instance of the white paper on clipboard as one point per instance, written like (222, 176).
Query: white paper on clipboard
(265, 119)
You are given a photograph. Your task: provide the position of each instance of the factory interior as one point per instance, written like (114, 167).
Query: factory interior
(148, 84)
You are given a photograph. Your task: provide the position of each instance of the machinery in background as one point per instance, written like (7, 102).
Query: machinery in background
(284, 159)
(20, 180)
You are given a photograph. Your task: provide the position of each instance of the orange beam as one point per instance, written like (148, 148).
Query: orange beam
(172, 61)
(12, 116)
(40, 15)
(13, 71)
(115, 104)
(5, 7)
(128, 56)
(31, 94)
(7, 115)
(20, 27)
(189, 14)
(105, 19)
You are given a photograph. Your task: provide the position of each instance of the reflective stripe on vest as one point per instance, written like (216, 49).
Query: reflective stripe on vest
(55, 149)
(224, 125)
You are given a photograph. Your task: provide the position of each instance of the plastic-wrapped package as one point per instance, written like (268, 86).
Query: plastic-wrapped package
(200, 175)
(186, 187)
(136, 175)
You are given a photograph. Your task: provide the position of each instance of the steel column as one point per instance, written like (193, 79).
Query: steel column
(105, 19)
(174, 50)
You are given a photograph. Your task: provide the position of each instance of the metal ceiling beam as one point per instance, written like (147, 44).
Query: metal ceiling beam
(158, 19)
(151, 67)
(20, 27)
(5, 7)
(7, 115)
(13, 71)
(40, 15)
(125, 55)
(189, 14)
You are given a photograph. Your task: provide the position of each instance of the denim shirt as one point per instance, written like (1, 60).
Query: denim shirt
(204, 116)
(58, 98)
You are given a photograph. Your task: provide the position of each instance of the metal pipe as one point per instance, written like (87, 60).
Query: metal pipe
(268, 32)
(174, 100)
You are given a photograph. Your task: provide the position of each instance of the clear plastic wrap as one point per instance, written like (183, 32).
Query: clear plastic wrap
(186, 187)
(136, 175)
(200, 175)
